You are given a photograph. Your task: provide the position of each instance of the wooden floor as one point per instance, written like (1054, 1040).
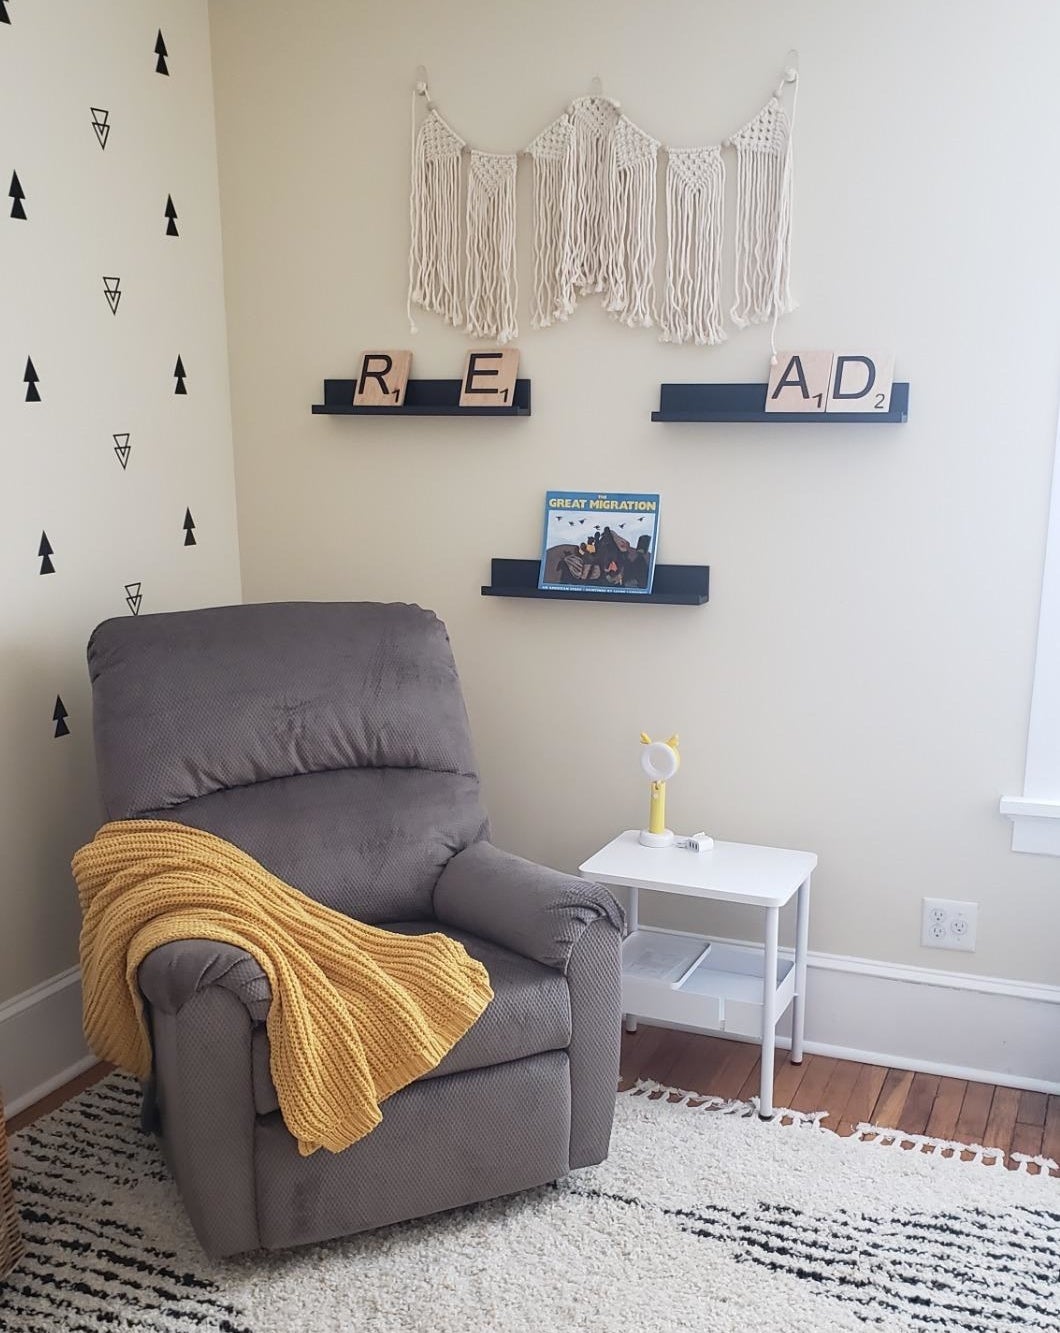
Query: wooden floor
(944, 1108)
(55, 1099)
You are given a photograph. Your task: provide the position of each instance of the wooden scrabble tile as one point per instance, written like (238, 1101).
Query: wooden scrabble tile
(799, 382)
(861, 382)
(489, 378)
(382, 378)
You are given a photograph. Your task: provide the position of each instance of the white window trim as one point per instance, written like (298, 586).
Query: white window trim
(1036, 814)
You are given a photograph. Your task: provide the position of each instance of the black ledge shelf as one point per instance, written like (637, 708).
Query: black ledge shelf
(673, 585)
(423, 398)
(747, 402)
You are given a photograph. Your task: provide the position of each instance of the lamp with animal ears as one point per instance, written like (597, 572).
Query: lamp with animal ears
(660, 762)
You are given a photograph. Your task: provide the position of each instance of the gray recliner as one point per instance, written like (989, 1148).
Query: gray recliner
(331, 742)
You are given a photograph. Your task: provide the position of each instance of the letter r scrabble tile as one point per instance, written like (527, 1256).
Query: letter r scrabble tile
(382, 379)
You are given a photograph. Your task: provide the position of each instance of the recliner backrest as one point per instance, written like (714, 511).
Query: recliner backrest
(329, 740)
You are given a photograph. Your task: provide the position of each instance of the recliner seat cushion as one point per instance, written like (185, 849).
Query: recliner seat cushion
(528, 1015)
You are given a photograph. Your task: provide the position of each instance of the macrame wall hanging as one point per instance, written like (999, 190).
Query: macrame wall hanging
(631, 211)
(695, 188)
(593, 190)
(492, 287)
(763, 215)
(435, 276)
(553, 192)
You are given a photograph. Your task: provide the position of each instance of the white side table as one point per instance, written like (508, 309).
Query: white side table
(678, 977)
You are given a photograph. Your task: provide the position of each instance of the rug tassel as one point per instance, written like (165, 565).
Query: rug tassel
(698, 1101)
(947, 1148)
(1026, 1160)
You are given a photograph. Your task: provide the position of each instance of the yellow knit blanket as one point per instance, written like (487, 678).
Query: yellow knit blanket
(357, 1012)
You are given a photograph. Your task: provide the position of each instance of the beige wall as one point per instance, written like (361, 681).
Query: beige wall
(859, 682)
(93, 211)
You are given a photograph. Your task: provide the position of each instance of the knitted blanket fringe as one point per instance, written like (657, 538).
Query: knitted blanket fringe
(357, 1012)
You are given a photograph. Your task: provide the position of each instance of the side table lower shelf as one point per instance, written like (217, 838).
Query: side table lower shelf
(721, 993)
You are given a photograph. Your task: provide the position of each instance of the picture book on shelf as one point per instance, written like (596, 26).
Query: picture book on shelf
(597, 541)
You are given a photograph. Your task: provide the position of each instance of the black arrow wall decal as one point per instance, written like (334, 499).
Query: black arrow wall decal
(100, 124)
(3, 11)
(171, 214)
(30, 381)
(180, 374)
(133, 597)
(189, 529)
(122, 448)
(59, 716)
(17, 195)
(45, 552)
(160, 50)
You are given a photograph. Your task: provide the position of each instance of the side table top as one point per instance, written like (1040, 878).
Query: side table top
(736, 872)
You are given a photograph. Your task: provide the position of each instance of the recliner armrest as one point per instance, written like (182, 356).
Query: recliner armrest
(172, 974)
(527, 908)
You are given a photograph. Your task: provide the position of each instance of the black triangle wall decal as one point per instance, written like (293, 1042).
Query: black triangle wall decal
(113, 292)
(17, 195)
(101, 124)
(45, 551)
(59, 716)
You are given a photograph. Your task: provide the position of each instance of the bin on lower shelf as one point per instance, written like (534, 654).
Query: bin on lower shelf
(682, 978)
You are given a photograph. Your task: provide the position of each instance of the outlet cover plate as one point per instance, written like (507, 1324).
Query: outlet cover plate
(947, 923)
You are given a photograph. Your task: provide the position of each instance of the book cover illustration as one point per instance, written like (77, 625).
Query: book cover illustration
(599, 542)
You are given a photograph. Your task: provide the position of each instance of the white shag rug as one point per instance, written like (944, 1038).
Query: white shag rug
(701, 1219)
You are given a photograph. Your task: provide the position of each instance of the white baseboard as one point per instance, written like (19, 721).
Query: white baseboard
(963, 1026)
(42, 1043)
(950, 1023)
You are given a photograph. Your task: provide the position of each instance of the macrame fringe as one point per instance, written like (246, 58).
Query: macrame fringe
(435, 279)
(492, 285)
(763, 217)
(695, 188)
(631, 290)
(696, 1101)
(592, 175)
(950, 1149)
(553, 293)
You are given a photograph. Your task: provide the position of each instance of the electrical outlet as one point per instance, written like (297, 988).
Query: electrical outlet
(948, 924)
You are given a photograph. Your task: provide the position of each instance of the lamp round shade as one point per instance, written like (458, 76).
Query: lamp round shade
(660, 761)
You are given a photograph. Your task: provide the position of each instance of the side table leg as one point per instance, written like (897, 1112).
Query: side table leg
(632, 922)
(769, 1012)
(802, 938)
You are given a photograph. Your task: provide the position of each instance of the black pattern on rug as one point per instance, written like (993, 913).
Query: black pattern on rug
(110, 1249)
(87, 1268)
(966, 1271)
